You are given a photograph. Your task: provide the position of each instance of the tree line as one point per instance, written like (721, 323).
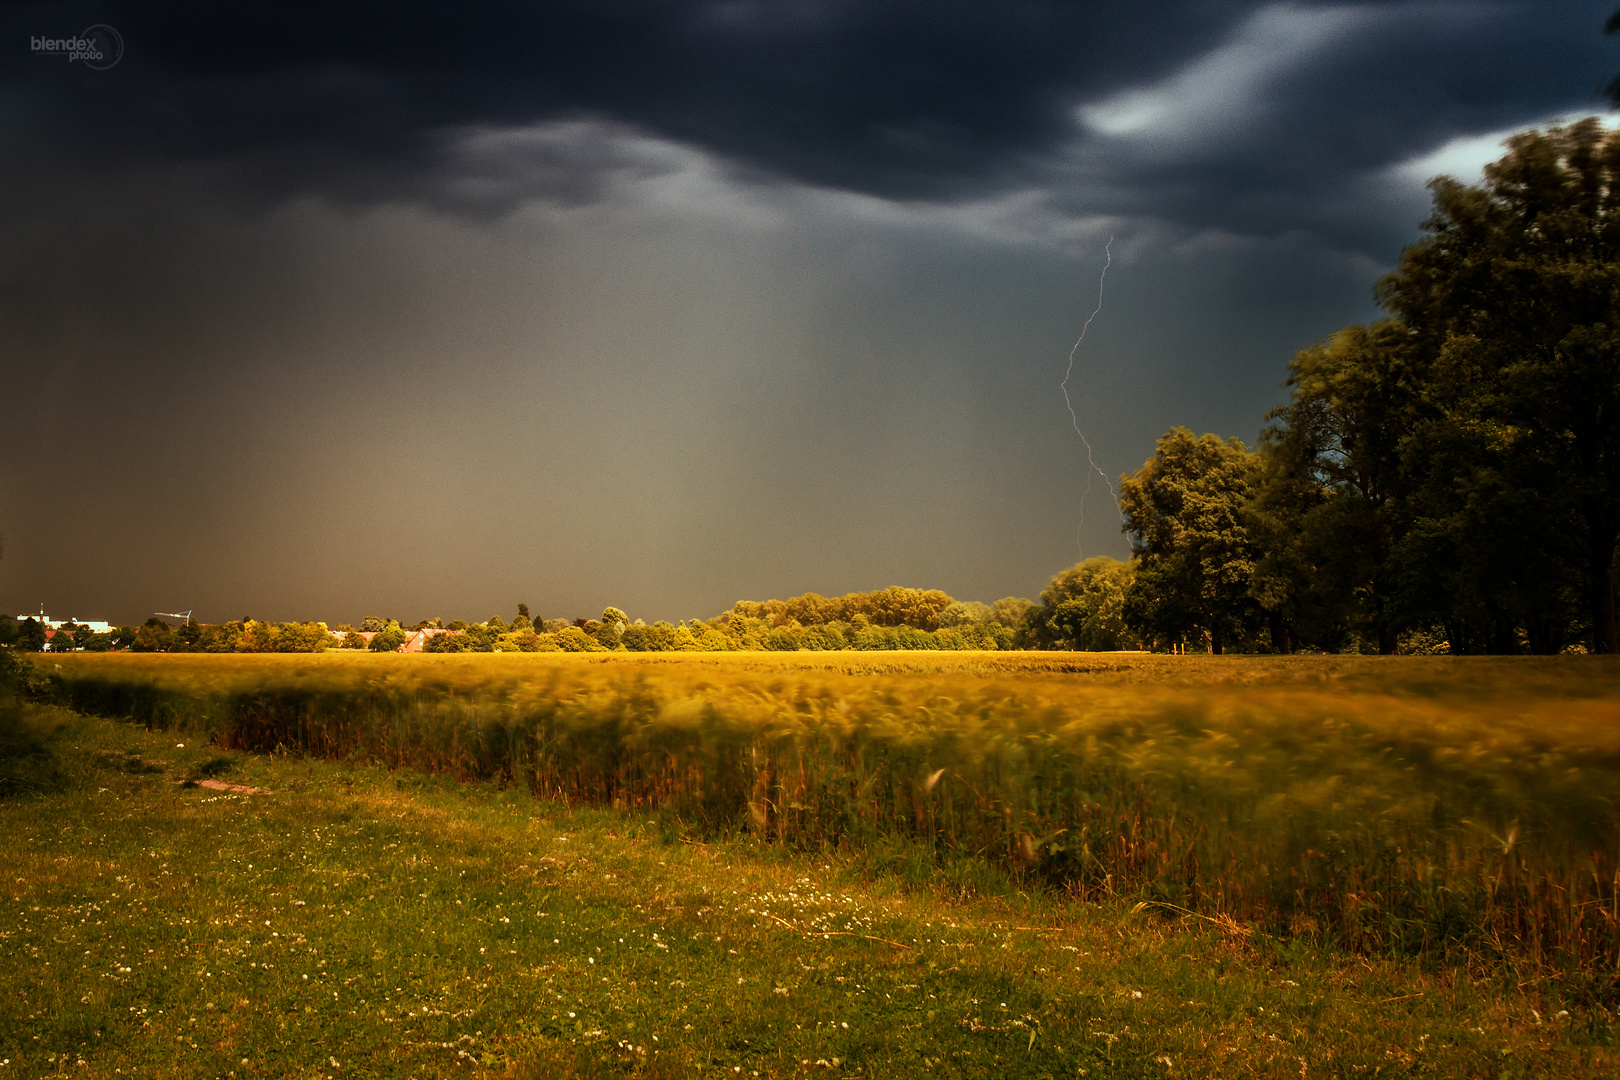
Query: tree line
(1447, 477)
(892, 618)
(29, 635)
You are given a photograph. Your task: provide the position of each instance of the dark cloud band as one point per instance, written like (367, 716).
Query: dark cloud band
(926, 98)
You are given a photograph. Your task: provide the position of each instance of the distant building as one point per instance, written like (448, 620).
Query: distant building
(50, 624)
(414, 639)
(419, 638)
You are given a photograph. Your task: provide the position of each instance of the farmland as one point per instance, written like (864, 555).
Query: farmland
(1419, 807)
(357, 922)
(985, 865)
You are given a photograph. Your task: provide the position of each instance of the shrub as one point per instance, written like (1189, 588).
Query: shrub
(29, 764)
(390, 639)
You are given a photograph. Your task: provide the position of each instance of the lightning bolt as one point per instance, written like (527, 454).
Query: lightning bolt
(1091, 460)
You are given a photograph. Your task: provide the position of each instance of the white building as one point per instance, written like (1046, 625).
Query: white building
(56, 624)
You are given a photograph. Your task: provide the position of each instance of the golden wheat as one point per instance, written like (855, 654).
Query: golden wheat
(1431, 805)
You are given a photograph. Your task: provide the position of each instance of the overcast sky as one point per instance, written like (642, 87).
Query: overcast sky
(320, 311)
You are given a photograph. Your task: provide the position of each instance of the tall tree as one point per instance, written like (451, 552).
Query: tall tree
(1327, 511)
(1514, 297)
(1085, 606)
(1184, 510)
(31, 635)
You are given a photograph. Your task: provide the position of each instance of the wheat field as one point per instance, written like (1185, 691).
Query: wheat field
(1431, 806)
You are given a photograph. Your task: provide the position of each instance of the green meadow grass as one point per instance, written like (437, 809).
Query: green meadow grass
(357, 921)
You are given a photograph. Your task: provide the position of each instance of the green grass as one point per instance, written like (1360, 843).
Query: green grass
(361, 922)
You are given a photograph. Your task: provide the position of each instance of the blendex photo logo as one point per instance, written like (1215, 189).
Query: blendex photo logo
(98, 47)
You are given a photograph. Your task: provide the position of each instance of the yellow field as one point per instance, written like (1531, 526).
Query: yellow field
(1415, 804)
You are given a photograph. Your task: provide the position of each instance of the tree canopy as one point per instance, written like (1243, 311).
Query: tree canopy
(1184, 510)
(1451, 472)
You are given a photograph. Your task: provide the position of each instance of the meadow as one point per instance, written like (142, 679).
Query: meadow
(337, 919)
(1445, 810)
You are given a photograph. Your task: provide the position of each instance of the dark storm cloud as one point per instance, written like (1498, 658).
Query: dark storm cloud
(1277, 127)
(926, 99)
(897, 98)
